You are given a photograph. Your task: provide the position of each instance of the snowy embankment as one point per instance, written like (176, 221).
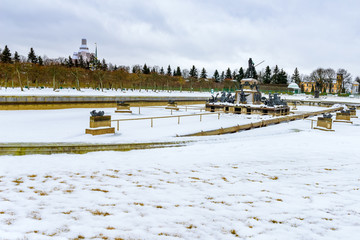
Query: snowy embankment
(105, 93)
(329, 98)
(280, 182)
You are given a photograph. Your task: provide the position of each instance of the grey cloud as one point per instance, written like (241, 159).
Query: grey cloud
(212, 34)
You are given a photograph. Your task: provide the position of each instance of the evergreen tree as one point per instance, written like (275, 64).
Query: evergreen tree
(228, 74)
(174, 73)
(162, 71)
(104, 65)
(178, 72)
(16, 57)
(32, 57)
(145, 69)
(136, 69)
(275, 76)
(193, 72)
(267, 75)
(70, 62)
(76, 63)
(282, 77)
(296, 77)
(81, 62)
(168, 71)
(40, 61)
(234, 75)
(216, 76)
(241, 74)
(6, 55)
(203, 74)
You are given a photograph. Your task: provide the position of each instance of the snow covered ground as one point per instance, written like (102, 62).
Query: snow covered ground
(329, 98)
(91, 92)
(68, 125)
(284, 181)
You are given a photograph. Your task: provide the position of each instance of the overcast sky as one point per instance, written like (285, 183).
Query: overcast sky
(215, 34)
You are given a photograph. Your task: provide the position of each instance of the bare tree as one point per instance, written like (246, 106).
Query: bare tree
(318, 76)
(330, 76)
(346, 80)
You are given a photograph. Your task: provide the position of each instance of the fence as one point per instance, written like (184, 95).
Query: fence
(152, 118)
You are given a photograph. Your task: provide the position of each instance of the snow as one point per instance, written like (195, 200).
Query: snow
(91, 92)
(68, 125)
(328, 98)
(284, 181)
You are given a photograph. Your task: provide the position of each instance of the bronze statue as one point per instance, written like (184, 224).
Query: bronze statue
(250, 72)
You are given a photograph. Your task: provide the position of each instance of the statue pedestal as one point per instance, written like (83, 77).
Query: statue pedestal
(324, 124)
(249, 95)
(123, 108)
(100, 125)
(343, 117)
(172, 106)
(249, 89)
(353, 112)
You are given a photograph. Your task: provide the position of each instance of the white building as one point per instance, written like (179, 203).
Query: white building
(83, 51)
(355, 88)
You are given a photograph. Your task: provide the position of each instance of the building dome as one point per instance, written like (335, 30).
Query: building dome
(293, 86)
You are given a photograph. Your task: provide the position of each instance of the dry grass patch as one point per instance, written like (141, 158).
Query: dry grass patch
(68, 212)
(41, 193)
(140, 204)
(274, 178)
(276, 222)
(99, 213)
(99, 190)
(190, 226)
(110, 228)
(79, 237)
(110, 176)
(18, 181)
(233, 232)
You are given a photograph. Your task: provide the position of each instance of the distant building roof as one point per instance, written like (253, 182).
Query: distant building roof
(293, 85)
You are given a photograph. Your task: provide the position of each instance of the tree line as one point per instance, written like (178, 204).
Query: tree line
(37, 71)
